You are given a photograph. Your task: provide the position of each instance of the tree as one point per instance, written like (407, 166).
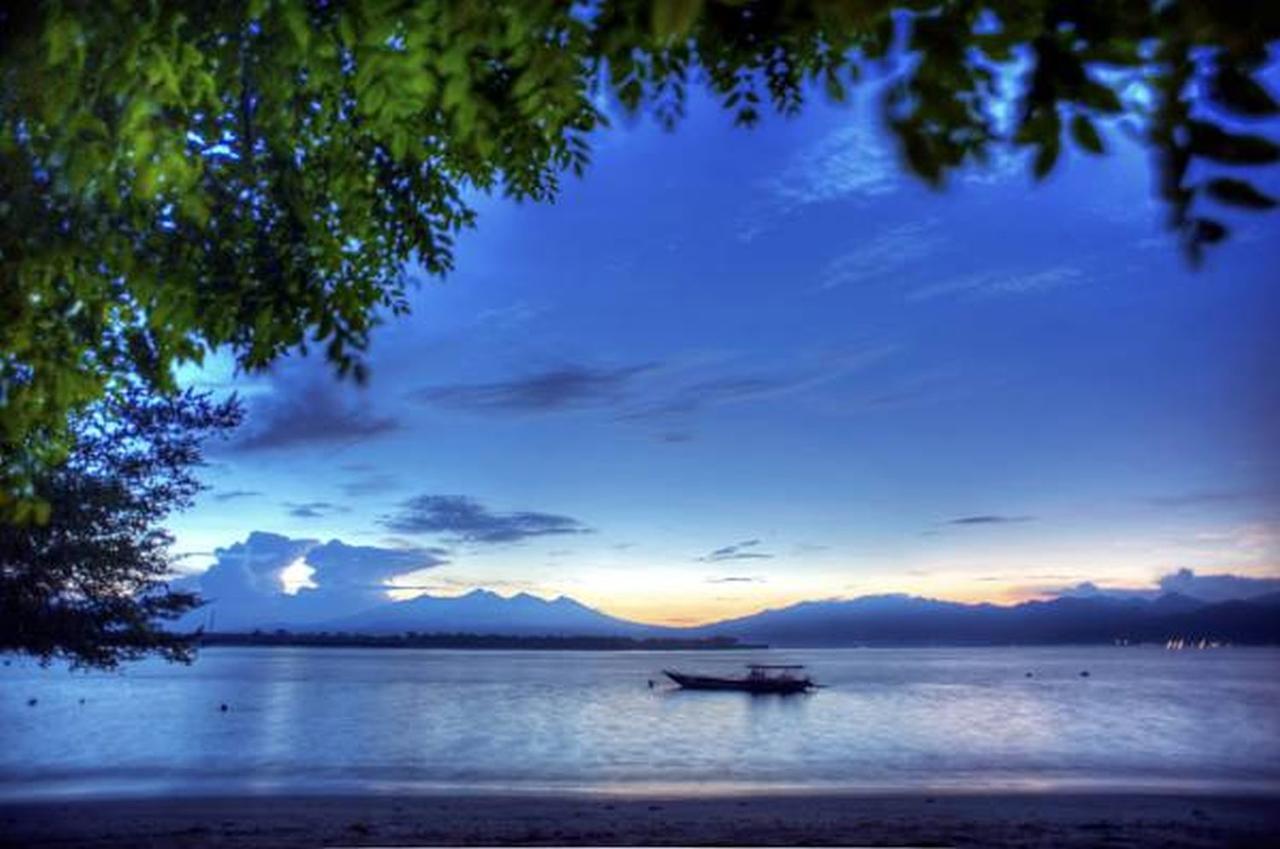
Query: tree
(177, 177)
(89, 583)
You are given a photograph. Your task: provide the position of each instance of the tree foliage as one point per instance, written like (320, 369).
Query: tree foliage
(89, 584)
(176, 177)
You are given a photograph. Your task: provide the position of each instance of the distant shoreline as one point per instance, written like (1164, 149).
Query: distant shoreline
(496, 642)
(999, 821)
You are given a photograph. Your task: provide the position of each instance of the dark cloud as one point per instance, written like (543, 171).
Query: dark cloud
(314, 509)
(1219, 587)
(990, 519)
(737, 551)
(311, 412)
(234, 494)
(569, 387)
(1209, 588)
(466, 520)
(648, 392)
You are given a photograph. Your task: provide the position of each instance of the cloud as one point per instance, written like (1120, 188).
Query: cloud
(1207, 588)
(850, 161)
(308, 413)
(735, 579)
(883, 256)
(314, 509)
(693, 396)
(1220, 587)
(1000, 283)
(1212, 497)
(247, 586)
(235, 494)
(847, 163)
(737, 551)
(464, 519)
(375, 483)
(568, 387)
(989, 520)
(661, 396)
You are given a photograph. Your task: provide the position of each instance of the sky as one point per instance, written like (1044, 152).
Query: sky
(733, 369)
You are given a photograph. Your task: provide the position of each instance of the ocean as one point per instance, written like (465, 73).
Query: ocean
(305, 720)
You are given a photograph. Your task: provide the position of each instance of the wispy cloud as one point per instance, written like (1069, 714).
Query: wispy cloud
(852, 160)
(464, 519)
(884, 254)
(373, 483)
(849, 162)
(649, 392)
(1212, 497)
(989, 519)
(996, 284)
(565, 388)
(235, 494)
(735, 579)
(744, 550)
(686, 398)
(314, 509)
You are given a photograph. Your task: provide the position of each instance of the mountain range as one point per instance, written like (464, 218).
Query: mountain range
(868, 620)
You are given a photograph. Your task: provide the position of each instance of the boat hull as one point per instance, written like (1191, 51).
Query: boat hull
(742, 685)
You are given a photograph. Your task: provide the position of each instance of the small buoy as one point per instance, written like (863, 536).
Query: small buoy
(650, 683)
(223, 707)
(1084, 674)
(1029, 675)
(82, 701)
(32, 702)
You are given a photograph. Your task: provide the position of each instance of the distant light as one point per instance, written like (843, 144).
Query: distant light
(297, 576)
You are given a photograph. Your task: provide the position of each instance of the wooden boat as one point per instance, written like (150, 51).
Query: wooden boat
(760, 678)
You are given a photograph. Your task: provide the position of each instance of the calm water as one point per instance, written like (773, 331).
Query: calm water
(320, 720)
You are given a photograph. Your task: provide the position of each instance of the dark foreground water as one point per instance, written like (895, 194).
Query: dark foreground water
(340, 720)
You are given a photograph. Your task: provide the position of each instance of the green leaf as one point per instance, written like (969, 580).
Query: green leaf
(674, 18)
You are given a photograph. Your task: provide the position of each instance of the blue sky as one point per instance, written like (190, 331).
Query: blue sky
(731, 369)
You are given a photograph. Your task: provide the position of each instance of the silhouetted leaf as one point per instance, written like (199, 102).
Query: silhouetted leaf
(1213, 142)
(1208, 231)
(1086, 134)
(1238, 193)
(1046, 158)
(1242, 94)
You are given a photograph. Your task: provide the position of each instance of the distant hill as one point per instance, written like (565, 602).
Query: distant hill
(909, 620)
(869, 620)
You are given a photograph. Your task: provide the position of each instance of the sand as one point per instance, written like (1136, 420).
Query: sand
(1005, 820)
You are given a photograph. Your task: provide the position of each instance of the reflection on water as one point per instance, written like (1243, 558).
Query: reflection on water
(326, 719)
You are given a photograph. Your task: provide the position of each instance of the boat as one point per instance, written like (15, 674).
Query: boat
(760, 678)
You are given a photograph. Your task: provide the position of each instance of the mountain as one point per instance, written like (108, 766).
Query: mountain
(485, 612)
(909, 620)
(868, 620)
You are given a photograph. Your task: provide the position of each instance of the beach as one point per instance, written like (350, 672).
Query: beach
(952, 819)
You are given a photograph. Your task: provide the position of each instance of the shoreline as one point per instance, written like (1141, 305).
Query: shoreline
(955, 818)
